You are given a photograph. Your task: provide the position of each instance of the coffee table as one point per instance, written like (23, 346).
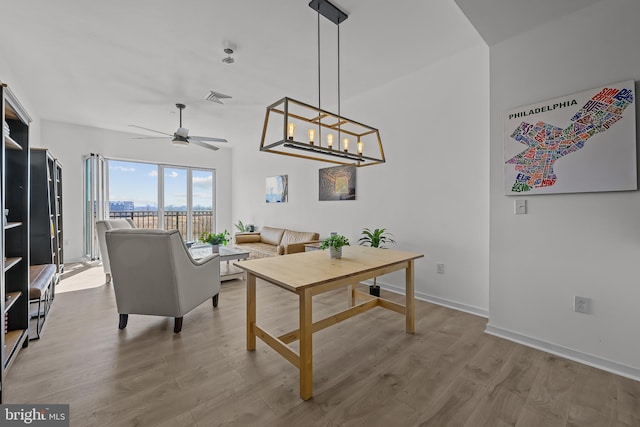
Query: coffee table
(227, 271)
(311, 273)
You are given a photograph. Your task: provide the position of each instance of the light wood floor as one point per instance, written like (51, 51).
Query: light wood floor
(367, 371)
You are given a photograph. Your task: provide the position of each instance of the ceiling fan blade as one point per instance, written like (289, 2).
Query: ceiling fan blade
(151, 137)
(203, 144)
(151, 130)
(206, 138)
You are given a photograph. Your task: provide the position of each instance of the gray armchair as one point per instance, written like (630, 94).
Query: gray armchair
(102, 227)
(154, 274)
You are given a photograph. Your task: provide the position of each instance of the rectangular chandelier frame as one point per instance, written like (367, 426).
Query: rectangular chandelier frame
(322, 120)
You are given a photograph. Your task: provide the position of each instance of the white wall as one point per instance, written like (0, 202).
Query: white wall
(69, 143)
(432, 193)
(568, 244)
(17, 87)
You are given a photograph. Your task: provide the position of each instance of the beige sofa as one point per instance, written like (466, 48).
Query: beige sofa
(272, 241)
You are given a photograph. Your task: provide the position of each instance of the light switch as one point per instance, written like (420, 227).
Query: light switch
(520, 207)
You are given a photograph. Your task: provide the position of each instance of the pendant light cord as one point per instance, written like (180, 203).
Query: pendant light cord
(339, 116)
(319, 105)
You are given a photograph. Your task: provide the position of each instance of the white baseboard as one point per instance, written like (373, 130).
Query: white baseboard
(567, 353)
(436, 300)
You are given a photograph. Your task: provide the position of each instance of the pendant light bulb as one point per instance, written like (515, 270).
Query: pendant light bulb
(291, 130)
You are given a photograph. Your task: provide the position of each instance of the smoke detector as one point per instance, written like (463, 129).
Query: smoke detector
(228, 59)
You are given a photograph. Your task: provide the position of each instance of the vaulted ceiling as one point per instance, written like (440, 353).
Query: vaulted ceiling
(498, 20)
(113, 63)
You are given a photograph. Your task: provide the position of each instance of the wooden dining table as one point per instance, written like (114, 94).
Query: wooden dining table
(311, 273)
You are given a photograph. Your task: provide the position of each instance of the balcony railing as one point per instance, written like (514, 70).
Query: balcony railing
(201, 221)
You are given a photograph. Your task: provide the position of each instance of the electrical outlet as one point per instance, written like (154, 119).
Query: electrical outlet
(440, 268)
(582, 305)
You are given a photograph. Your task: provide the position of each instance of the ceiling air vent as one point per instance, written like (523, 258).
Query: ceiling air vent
(215, 97)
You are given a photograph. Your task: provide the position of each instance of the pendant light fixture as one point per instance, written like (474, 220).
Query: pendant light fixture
(298, 129)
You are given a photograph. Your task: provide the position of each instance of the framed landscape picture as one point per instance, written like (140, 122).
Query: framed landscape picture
(338, 183)
(584, 142)
(277, 189)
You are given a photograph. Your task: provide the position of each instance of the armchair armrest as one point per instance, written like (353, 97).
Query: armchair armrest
(247, 237)
(198, 280)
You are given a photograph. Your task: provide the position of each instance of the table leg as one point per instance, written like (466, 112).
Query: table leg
(251, 311)
(350, 298)
(410, 299)
(306, 347)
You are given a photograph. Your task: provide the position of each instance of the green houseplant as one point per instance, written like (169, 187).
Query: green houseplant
(335, 244)
(242, 228)
(245, 228)
(377, 238)
(215, 239)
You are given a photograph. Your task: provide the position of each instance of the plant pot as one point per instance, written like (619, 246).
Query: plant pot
(215, 249)
(374, 290)
(335, 253)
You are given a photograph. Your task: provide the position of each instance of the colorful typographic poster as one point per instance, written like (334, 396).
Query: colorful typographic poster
(584, 142)
(337, 183)
(277, 189)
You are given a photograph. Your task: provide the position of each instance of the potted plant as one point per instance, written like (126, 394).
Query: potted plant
(335, 244)
(215, 239)
(376, 239)
(245, 228)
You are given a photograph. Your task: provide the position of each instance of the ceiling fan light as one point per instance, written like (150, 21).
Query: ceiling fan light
(180, 142)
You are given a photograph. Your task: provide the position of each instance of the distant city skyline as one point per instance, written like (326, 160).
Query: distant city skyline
(128, 206)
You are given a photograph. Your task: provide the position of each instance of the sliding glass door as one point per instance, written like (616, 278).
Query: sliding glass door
(133, 192)
(94, 202)
(174, 212)
(202, 200)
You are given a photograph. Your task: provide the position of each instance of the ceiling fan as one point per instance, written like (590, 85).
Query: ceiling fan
(181, 136)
